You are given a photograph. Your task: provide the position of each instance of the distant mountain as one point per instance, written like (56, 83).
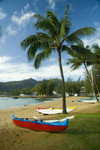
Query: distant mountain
(9, 86)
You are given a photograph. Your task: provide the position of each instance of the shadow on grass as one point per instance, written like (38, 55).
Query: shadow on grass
(84, 124)
(72, 131)
(79, 131)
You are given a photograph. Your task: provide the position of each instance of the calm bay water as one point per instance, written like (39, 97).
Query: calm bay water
(8, 102)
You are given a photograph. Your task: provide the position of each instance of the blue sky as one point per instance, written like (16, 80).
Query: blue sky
(17, 23)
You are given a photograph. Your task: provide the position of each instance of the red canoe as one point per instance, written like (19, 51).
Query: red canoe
(39, 125)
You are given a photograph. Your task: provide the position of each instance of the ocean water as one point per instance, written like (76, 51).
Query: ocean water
(8, 102)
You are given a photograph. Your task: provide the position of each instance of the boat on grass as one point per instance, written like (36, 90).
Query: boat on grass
(90, 101)
(41, 125)
(48, 111)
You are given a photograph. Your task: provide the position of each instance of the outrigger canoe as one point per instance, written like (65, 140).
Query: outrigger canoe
(48, 111)
(41, 125)
(89, 101)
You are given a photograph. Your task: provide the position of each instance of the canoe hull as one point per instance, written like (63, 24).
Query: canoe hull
(39, 126)
(48, 111)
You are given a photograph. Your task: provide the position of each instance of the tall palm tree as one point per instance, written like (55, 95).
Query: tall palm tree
(96, 51)
(82, 55)
(55, 36)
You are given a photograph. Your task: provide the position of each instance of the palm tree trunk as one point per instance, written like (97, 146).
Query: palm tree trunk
(94, 87)
(91, 81)
(63, 82)
(87, 73)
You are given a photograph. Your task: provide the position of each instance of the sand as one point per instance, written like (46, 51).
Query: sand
(14, 138)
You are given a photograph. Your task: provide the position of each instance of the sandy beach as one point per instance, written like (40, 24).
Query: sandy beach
(14, 138)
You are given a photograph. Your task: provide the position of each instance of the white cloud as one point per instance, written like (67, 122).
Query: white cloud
(27, 6)
(2, 14)
(52, 60)
(73, 74)
(19, 71)
(52, 4)
(95, 38)
(10, 30)
(96, 24)
(20, 20)
(4, 59)
(35, 5)
(95, 8)
(23, 19)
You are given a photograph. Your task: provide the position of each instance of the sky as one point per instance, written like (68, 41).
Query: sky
(17, 23)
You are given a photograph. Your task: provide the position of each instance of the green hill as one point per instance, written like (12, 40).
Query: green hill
(7, 87)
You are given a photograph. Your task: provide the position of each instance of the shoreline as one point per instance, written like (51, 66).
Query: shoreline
(70, 101)
(31, 96)
(13, 137)
(55, 99)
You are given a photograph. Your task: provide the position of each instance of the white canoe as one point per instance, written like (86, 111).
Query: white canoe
(54, 110)
(60, 120)
(89, 101)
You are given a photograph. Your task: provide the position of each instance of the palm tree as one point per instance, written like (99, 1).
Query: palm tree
(54, 37)
(82, 55)
(96, 51)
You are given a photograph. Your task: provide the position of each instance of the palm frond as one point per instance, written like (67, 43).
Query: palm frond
(95, 46)
(45, 38)
(38, 59)
(74, 37)
(75, 63)
(42, 56)
(81, 50)
(40, 40)
(53, 18)
(28, 41)
(75, 66)
(65, 48)
(96, 49)
(83, 32)
(84, 54)
(71, 39)
(36, 43)
(48, 24)
(31, 53)
(65, 24)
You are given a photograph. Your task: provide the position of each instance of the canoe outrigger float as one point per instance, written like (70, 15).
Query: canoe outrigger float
(41, 125)
(48, 111)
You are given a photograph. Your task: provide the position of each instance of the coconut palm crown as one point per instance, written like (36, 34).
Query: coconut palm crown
(82, 55)
(54, 36)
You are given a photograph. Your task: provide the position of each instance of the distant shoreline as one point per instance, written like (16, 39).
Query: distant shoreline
(17, 103)
(31, 96)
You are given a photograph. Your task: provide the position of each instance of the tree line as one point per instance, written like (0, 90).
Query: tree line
(54, 86)
(51, 87)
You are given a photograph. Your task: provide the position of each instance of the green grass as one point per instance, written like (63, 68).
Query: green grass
(98, 106)
(83, 133)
